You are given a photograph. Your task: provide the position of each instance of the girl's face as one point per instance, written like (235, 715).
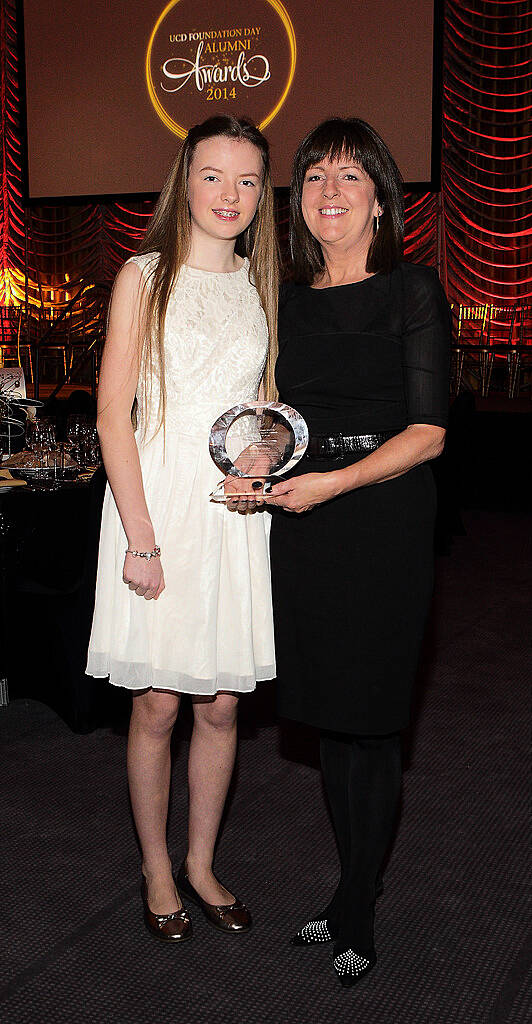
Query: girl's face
(339, 203)
(224, 187)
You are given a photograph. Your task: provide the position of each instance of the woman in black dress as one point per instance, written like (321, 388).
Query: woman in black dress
(364, 346)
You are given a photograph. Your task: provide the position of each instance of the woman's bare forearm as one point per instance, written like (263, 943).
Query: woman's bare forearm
(417, 444)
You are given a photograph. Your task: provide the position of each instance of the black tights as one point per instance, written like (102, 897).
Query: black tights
(362, 776)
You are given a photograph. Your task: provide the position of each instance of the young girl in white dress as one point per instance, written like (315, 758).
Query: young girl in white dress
(187, 608)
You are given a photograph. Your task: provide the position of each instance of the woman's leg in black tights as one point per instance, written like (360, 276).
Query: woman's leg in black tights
(335, 755)
(373, 798)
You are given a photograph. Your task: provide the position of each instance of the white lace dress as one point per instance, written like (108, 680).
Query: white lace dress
(212, 627)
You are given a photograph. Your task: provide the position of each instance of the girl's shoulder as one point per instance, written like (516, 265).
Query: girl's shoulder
(146, 262)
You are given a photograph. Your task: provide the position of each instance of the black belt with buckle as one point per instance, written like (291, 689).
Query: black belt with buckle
(340, 446)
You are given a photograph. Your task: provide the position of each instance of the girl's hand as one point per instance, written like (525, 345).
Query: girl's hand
(302, 493)
(237, 489)
(144, 576)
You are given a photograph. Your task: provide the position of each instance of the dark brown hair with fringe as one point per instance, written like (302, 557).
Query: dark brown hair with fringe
(355, 140)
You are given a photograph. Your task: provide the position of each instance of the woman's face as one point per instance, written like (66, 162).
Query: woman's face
(224, 187)
(339, 203)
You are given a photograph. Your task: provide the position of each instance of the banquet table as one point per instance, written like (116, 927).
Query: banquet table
(48, 557)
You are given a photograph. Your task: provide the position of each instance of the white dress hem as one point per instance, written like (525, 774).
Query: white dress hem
(129, 675)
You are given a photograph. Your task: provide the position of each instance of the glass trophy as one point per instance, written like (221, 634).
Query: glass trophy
(256, 442)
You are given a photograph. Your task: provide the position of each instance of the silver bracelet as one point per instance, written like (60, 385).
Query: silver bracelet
(156, 553)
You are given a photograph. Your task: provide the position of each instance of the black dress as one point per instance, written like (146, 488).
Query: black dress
(352, 579)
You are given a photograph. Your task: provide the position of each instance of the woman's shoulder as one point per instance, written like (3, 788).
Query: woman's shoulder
(290, 292)
(418, 277)
(421, 294)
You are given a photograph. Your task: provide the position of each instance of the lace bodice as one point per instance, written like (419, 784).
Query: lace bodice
(216, 340)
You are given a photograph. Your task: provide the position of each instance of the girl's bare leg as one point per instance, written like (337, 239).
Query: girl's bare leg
(148, 764)
(210, 767)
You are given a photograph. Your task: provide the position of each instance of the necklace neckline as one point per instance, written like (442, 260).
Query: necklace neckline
(348, 284)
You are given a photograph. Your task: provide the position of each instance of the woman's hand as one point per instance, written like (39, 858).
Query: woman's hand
(144, 576)
(302, 493)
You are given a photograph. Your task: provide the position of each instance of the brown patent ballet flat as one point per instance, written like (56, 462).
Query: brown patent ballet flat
(175, 927)
(233, 918)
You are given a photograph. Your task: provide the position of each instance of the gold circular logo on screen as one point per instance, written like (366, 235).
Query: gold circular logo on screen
(236, 57)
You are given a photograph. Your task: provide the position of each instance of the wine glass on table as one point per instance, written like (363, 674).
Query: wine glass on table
(75, 437)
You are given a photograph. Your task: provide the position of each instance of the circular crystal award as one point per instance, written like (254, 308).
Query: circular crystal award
(256, 441)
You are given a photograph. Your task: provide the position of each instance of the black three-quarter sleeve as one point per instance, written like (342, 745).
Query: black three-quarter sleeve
(426, 346)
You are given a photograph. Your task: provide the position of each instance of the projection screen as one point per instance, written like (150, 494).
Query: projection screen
(112, 87)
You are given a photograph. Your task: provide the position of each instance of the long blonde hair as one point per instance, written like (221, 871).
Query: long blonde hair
(169, 234)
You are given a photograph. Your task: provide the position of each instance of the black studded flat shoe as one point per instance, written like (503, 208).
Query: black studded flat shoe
(319, 930)
(352, 967)
(175, 927)
(313, 933)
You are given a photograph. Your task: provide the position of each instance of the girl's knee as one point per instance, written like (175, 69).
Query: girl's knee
(219, 714)
(155, 711)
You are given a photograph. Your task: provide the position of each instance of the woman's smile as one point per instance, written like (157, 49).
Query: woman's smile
(333, 211)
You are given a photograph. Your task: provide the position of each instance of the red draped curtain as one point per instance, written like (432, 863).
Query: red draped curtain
(487, 150)
(477, 231)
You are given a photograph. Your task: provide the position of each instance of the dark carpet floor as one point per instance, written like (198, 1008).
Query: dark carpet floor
(451, 926)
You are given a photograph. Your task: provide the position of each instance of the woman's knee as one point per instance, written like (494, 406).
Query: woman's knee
(219, 714)
(155, 711)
